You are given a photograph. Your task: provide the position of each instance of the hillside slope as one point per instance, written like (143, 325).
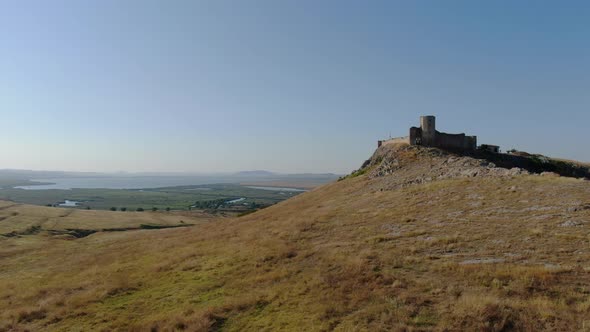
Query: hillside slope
(417, 240)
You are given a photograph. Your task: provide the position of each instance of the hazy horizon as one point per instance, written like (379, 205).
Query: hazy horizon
(289, 86)
(149, 173)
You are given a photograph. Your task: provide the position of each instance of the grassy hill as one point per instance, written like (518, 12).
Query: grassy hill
(418, 239)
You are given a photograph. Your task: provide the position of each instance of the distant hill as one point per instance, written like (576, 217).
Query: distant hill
(285, 175)
(255, 173)
(418, 239)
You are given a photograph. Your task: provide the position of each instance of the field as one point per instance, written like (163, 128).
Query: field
(175, 198)
(375, 251)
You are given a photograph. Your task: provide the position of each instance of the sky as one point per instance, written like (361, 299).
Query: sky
(289, 86)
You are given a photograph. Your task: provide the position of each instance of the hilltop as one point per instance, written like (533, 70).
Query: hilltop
(416, 239)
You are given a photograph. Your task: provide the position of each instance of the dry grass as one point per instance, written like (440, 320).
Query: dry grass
(462, 254)
(18, 218)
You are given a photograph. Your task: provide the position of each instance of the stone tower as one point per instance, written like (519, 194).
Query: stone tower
(428, 126)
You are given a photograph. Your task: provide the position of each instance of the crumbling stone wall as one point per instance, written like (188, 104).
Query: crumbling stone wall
(427, 135)
(454, 141)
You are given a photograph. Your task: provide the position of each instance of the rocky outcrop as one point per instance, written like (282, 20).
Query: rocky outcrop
(416, 164)
(429, 164)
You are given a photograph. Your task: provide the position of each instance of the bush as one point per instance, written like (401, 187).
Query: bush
(139, 209)
(29, 316)
(123, 209)
(359, 172)
(113, 209)
(168, 209)
(154, 209)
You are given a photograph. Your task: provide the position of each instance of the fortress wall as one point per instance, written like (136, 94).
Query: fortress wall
(450, 141)
(415, 134)
(427, 135)
(470, 142)
(428, 127)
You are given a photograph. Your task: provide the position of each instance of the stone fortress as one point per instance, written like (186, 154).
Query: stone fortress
(427, 135)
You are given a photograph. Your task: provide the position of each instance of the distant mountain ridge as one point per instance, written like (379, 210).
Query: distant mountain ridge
(255, 173)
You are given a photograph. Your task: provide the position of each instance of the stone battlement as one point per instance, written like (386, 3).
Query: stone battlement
(427, 135)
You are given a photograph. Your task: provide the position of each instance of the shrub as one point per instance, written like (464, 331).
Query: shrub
(359, 172)
(29, 316)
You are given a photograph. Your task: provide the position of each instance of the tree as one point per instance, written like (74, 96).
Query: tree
(154, 209)
(123, 209)
(139, 209)
(113, 209)
(168, 209)
(87, 207)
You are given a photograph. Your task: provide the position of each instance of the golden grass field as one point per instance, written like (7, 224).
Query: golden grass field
(362, 254)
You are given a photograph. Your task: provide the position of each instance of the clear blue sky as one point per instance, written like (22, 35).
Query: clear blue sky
(289, 86)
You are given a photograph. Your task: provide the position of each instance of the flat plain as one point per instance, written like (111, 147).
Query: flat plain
(175, 198)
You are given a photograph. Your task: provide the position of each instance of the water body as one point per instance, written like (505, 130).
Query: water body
(236, 200)
(69, 203)
(126, 182)
(278, 189)
(148, 181)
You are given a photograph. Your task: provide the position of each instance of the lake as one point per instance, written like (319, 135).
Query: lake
(237, 200)
(127, 182)
(69, 203)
